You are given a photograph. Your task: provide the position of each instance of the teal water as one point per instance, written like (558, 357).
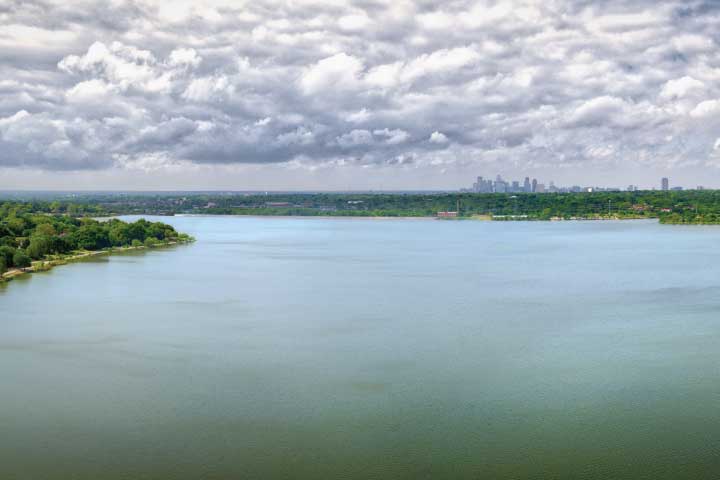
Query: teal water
(399, 349)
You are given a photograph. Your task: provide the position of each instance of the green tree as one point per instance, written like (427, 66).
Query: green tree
(21, 260)
(45, 229)
(91, 237)
(119, 235)
(16, 226)
(7, 253)
(137, 230)
(151, 242)
(38, 247)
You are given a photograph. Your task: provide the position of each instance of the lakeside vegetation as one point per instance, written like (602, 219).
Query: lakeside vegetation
(671, 207)
(36, 237)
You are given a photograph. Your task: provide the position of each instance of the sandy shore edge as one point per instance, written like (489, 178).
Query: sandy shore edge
(45, 265)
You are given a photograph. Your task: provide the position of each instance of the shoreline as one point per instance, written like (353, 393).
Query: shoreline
(477, 218)
(474, 217)
(46, 265)
(341, 217)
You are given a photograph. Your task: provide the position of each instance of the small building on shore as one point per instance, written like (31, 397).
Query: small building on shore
(447, 214)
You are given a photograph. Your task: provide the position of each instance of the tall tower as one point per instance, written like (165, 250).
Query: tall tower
(534, 185)
(526, 185)
(665, 184)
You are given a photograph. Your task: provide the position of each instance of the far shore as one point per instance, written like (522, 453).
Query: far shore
(473, 217)
(344, 217)
(481, 218)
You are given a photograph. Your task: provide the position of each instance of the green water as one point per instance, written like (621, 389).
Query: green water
(370, 349)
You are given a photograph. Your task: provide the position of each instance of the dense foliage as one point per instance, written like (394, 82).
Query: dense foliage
(691, 206)
(28, 232)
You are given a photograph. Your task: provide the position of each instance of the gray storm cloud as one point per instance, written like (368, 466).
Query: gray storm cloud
(87, 85)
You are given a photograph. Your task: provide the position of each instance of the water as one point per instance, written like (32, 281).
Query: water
(400, 349)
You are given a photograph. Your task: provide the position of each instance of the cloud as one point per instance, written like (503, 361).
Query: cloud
(707, 108)
(338, 72)
(354, 22)
(561, 84)
(89, 91)
(359, 116)
(437, 137)
(37, 140)
(681, 87)
(393, 137)
(205, 89)
(184, 57)
(355, 138)
(598, 111)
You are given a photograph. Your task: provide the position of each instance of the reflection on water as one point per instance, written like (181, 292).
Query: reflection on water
(332, 348)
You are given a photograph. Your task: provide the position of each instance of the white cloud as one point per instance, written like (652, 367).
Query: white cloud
(681, 87)
(207, 88)
(125, 66)
(184, 57)
(354, 22)
(358, 116)
(384, 76)
(88, 91)
(692, 43)
(437, 20)
(597, 111)
(438, 137)
(355, 138)
(706, 109)
(393, 137)
(440, 61)
(299, 136)
(337, 72)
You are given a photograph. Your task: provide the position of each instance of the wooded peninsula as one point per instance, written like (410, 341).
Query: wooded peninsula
(33, 237)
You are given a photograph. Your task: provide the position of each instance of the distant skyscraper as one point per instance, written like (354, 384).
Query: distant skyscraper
(526, 185)
(482, 186)
(534, 185)
(665, 184)
(477, 186)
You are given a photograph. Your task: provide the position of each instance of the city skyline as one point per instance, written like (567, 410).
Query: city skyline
(528, 185)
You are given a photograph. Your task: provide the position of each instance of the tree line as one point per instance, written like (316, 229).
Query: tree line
(29, 233)
(689, 206)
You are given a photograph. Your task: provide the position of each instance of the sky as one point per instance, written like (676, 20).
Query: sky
(357, 95)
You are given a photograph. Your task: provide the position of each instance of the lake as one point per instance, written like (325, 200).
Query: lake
(311, 348)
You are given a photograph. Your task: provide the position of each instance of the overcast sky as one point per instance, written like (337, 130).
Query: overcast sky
(357, 95)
